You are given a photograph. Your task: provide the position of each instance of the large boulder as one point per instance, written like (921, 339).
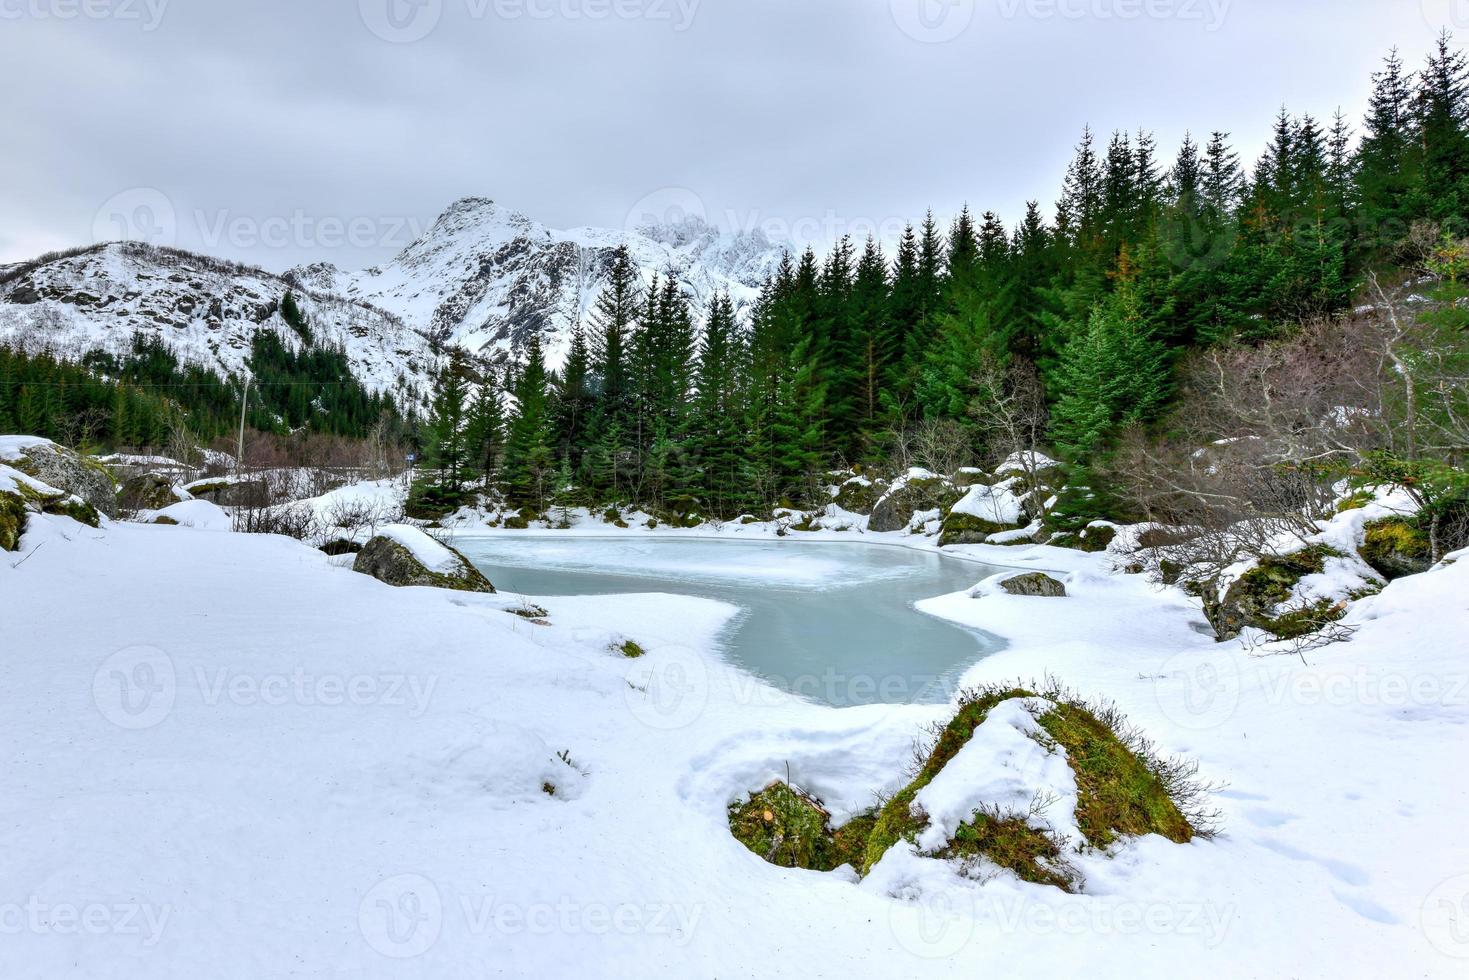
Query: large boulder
(858, 495)
(64, 469)
(22, 495)
(229, 492)
(1396, 547)
(982, 511)
(1261, 598)
(1036, 584)
(403, 555)
(147, 491)
(916, 492)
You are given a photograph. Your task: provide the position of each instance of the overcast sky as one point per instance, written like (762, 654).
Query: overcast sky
(282, 131)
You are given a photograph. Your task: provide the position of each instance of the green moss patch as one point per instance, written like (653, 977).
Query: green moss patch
(790, 829)
(1122, 791)
(1396, 547)
(12, 520)
(967, 529)
(1012, 843)
(630, 650)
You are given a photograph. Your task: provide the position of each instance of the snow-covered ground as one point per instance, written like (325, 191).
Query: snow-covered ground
(228, 755)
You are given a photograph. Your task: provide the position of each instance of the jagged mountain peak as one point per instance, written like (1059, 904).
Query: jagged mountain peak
(486, 277)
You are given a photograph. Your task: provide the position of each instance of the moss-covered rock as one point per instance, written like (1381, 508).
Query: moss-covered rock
(1255, 599)
(959, 528)
(516, 521)
(1396, 547)
(1098, 537)
(1123, 791)
(859, 495)
(70, 472)
(389, 561)
(12, 520)
(913, 494)
(146, 491)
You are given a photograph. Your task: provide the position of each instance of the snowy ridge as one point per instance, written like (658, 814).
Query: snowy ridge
(486, 277)
(206, 310)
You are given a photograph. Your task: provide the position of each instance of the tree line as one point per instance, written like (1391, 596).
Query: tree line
(846, 359)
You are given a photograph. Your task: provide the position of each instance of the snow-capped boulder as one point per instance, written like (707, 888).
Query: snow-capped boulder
(403, 555)
(858, 495)
(1290, 595)
(230, 491)
(22, 495)
(916, 492)
(982, 511)
(63, 469)
(1034, 584)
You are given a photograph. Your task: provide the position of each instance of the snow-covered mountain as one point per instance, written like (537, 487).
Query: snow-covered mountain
(483, 277)
(206, 310)
(486, 277)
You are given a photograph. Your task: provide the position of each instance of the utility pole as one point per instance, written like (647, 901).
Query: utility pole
(240, 445)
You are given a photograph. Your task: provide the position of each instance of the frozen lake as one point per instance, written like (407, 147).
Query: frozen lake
(832, 622)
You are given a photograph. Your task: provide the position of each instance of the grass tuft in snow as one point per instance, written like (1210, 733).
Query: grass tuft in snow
(788, 828)
(1123, 789)
(1013, 842)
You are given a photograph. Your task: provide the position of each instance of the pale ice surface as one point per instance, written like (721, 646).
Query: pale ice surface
(832, 622)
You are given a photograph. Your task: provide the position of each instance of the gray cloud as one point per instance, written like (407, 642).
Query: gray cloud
(280, 131)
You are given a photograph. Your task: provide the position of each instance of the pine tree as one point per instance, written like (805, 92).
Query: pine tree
(1443, 132)
(1386, 162)
(485, 436)
(530, 462)
(1112, 375)
(447, 452)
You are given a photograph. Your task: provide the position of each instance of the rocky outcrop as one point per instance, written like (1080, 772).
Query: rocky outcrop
(231, 493)
(405, 556)
(21, 495)
(1396, 547)
(917, 492)
(64, 469)
(1035, 584)
(147, 491)
(859, 495)
(1256, 599)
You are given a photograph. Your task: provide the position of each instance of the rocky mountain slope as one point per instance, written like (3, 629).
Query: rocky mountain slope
(485, 277)
(96, 298)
